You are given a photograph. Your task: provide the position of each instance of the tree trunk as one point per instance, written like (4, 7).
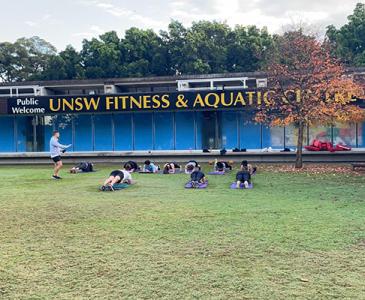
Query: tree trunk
(299, 154)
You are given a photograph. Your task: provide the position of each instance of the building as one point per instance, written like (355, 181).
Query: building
(132, 114)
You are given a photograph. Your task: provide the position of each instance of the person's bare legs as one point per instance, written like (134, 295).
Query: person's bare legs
(109, 180)
(238, 184)
(57, 168)
(115, 180)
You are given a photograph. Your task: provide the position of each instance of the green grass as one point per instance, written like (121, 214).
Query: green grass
(293, 236)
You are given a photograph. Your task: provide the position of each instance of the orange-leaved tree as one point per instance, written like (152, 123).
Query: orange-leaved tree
(307, 86)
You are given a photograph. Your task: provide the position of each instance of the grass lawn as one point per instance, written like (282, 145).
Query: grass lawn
(293, 236)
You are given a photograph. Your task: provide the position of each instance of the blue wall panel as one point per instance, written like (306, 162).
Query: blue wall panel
(229, 130)
(164, 131)
(143, 131)
(24, 134)
(83, 133)
(185, 133)
(103, 132)
(361, 135)
(123, 132)
(250, 133)
(7, 134)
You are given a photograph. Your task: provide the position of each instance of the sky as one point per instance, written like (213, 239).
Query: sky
(64, 22)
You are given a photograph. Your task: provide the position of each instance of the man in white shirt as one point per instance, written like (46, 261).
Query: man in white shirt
(56, 148)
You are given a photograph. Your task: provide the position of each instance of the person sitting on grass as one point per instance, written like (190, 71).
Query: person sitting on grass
(221, 166)
(197, 177)
(243, 175)
(170, 168)
(191, 166)
(116, 177)
(150, 167)
(132, 166)
(245, 165)
(84, 167)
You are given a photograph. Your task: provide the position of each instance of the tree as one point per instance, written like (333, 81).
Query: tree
(101, 57)
(307, 86)
(348, 42)
(25, 59)
(144, 53)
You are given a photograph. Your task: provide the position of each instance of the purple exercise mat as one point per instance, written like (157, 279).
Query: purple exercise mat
(234, 187)
(217, 173)
(200, 185)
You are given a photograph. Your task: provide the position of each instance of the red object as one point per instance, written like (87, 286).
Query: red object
(341, 147)
(312, 148)
(317, 145)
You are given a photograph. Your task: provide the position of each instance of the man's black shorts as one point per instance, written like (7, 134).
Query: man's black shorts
(56, 158)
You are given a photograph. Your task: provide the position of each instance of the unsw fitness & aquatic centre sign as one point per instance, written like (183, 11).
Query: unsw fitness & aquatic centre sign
(178, 101)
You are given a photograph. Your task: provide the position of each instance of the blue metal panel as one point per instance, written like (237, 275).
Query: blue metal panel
(164, 131)
(361, 135)
(250, 133)
(83, 133)
(185, 131)
(123, 132)
(24, 138)
(229, 130)
(7, 134)
(103, 132)
(143, 139)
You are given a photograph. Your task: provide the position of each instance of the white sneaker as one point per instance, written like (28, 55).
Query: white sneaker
(246, 184)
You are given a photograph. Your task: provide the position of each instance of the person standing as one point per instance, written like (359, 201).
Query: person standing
(56, 148)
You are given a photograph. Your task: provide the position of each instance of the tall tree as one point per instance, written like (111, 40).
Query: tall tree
(320, 93)
(348, 42)
(144, 53)
(101, 57)
(25, 59)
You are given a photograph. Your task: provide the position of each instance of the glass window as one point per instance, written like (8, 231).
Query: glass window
(103, 132)
(83, 133)
(361, 135)
(143, 131)
(291, 136)
(229, 130)
(63, 123)
(44, 129)
(164, 131)
(24, 137)
(250, 132)
(123, 132)
(185, 132)
(208, 133)
(345, 133)
(273, 137)
(321, 133)
(7, 134)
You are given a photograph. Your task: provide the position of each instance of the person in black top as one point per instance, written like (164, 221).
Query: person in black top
(197, 177)
(131, 165)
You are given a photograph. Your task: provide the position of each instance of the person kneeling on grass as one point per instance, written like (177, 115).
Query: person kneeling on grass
(131, 165)
(117, 176)
(221, 166)
(243, 176)
(170, 168)
(246, 166)
(191, 166)
(197, 177)
(84, 167)
(150, 167)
